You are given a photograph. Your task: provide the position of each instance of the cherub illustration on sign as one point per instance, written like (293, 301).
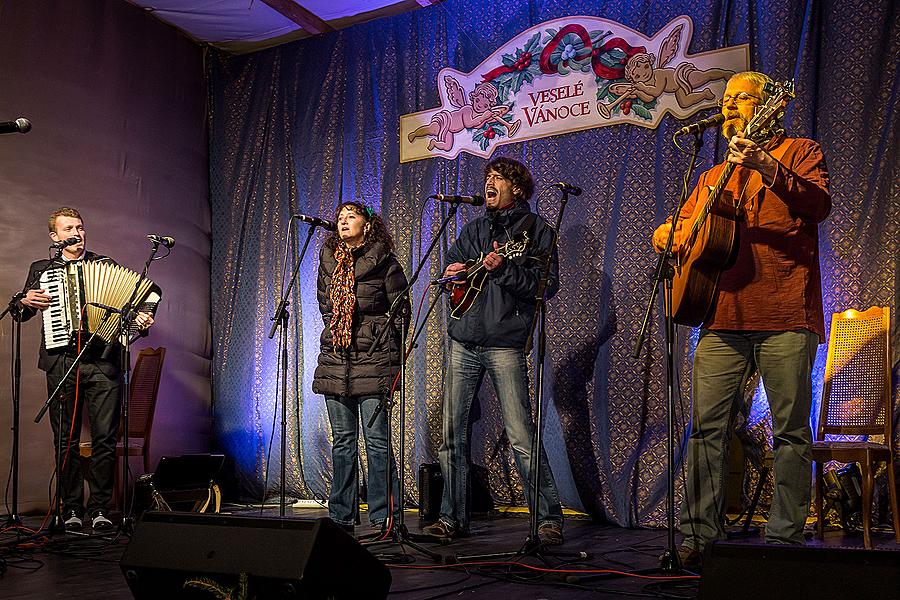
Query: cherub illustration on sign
(646, 83)
(483, 109)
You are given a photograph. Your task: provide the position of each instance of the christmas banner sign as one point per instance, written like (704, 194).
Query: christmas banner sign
(566, 75)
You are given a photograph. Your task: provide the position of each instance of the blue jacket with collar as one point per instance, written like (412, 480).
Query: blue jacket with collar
(502, 313)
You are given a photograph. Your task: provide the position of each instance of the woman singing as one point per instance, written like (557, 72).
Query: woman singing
(359, 278)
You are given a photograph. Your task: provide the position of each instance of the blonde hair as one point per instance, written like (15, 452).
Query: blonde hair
(760, 80)
(64, 211)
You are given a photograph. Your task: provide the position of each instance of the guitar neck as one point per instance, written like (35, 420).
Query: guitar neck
(714, 194)
(502, 251)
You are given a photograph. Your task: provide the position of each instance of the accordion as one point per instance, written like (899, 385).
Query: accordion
(79, 285)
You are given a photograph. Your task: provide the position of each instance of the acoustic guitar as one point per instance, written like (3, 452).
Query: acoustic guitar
(464, 293)
(712, 241)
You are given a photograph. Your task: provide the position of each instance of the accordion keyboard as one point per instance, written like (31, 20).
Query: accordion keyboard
(57, 321)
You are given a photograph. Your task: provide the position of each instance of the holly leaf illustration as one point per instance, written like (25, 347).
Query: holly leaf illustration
(640, 111)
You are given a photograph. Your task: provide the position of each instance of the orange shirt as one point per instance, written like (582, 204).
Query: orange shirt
(775, 283)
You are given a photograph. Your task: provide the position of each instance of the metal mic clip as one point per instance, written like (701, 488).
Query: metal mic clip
(449, 279)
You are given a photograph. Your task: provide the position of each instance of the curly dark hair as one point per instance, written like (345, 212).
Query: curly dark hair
(514, 172)
(377, 233)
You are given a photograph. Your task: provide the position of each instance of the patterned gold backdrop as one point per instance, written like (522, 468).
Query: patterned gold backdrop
(301, 127)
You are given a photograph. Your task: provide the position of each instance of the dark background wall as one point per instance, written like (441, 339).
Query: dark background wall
(117, 102)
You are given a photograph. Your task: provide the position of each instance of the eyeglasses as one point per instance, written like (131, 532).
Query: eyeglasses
(740, 98)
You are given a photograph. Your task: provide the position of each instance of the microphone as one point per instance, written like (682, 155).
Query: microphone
(317, 222)
(106, 307)
(66, 243)
(20, 125)
(165, 240)
(451, 278)
(473, 200)
(568, 188)
(699, 126)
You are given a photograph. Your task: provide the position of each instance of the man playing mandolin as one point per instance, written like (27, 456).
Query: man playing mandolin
(766, 313)
(490, 337)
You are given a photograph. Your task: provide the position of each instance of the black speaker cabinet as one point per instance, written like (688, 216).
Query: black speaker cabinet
(431, 487)
(185, 555)
(750, 571)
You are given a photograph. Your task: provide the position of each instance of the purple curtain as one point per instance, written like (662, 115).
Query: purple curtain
(302, 126)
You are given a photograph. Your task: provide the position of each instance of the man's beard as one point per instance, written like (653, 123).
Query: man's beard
(733, 126)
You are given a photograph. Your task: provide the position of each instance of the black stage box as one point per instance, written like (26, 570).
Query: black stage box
(187, 555)
(750, 571)
(180, 482)
(431, 487)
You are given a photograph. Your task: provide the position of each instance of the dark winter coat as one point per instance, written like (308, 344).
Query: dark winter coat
(353, 372)
(502, 313)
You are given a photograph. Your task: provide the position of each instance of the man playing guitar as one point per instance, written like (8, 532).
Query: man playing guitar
(765, 314)
(489, 336)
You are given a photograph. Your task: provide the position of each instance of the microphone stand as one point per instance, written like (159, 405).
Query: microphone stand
(14, 308)
(56, 523)
(280, 319)
(398, 532)
(124, 336)
(664, 272)
(533, 545)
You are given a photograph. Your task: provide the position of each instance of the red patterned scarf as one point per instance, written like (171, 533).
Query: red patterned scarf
(343, 298)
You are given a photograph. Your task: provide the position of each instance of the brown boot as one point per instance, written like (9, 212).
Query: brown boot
(690, 558)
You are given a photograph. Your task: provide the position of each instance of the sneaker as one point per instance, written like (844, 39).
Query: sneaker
(441, 529)
(550, 533)
(101, 522)
(73, 521)
(690, 558)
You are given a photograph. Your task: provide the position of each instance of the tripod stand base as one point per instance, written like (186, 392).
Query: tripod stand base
(531, 547)
(401, 536)
(56, 524)
(669, 563)
(12, 520)
(127, 525)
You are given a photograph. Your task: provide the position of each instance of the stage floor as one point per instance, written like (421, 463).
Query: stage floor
(86, 567)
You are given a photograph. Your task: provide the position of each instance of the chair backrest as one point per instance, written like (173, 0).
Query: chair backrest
(143, 390)
(857, 392)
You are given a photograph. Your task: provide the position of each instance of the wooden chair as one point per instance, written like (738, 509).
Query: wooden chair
(856, 401)
(142, 404)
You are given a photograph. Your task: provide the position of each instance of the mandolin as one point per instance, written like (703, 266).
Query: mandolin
(464, 292)
(712, 241)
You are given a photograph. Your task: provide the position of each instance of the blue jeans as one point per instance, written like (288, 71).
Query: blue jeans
(722, 363)
(344, 414)
(509, 374)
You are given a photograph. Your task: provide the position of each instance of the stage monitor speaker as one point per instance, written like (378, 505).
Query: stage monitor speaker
(739, 571)
(188, 555)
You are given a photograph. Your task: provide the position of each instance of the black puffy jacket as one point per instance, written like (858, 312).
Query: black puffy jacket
(352, 372)
(501, 314)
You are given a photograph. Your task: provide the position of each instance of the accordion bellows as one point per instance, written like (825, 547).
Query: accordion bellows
(79, 286)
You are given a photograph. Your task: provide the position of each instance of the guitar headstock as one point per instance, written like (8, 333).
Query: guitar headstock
(514, 247)
(763, 124)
